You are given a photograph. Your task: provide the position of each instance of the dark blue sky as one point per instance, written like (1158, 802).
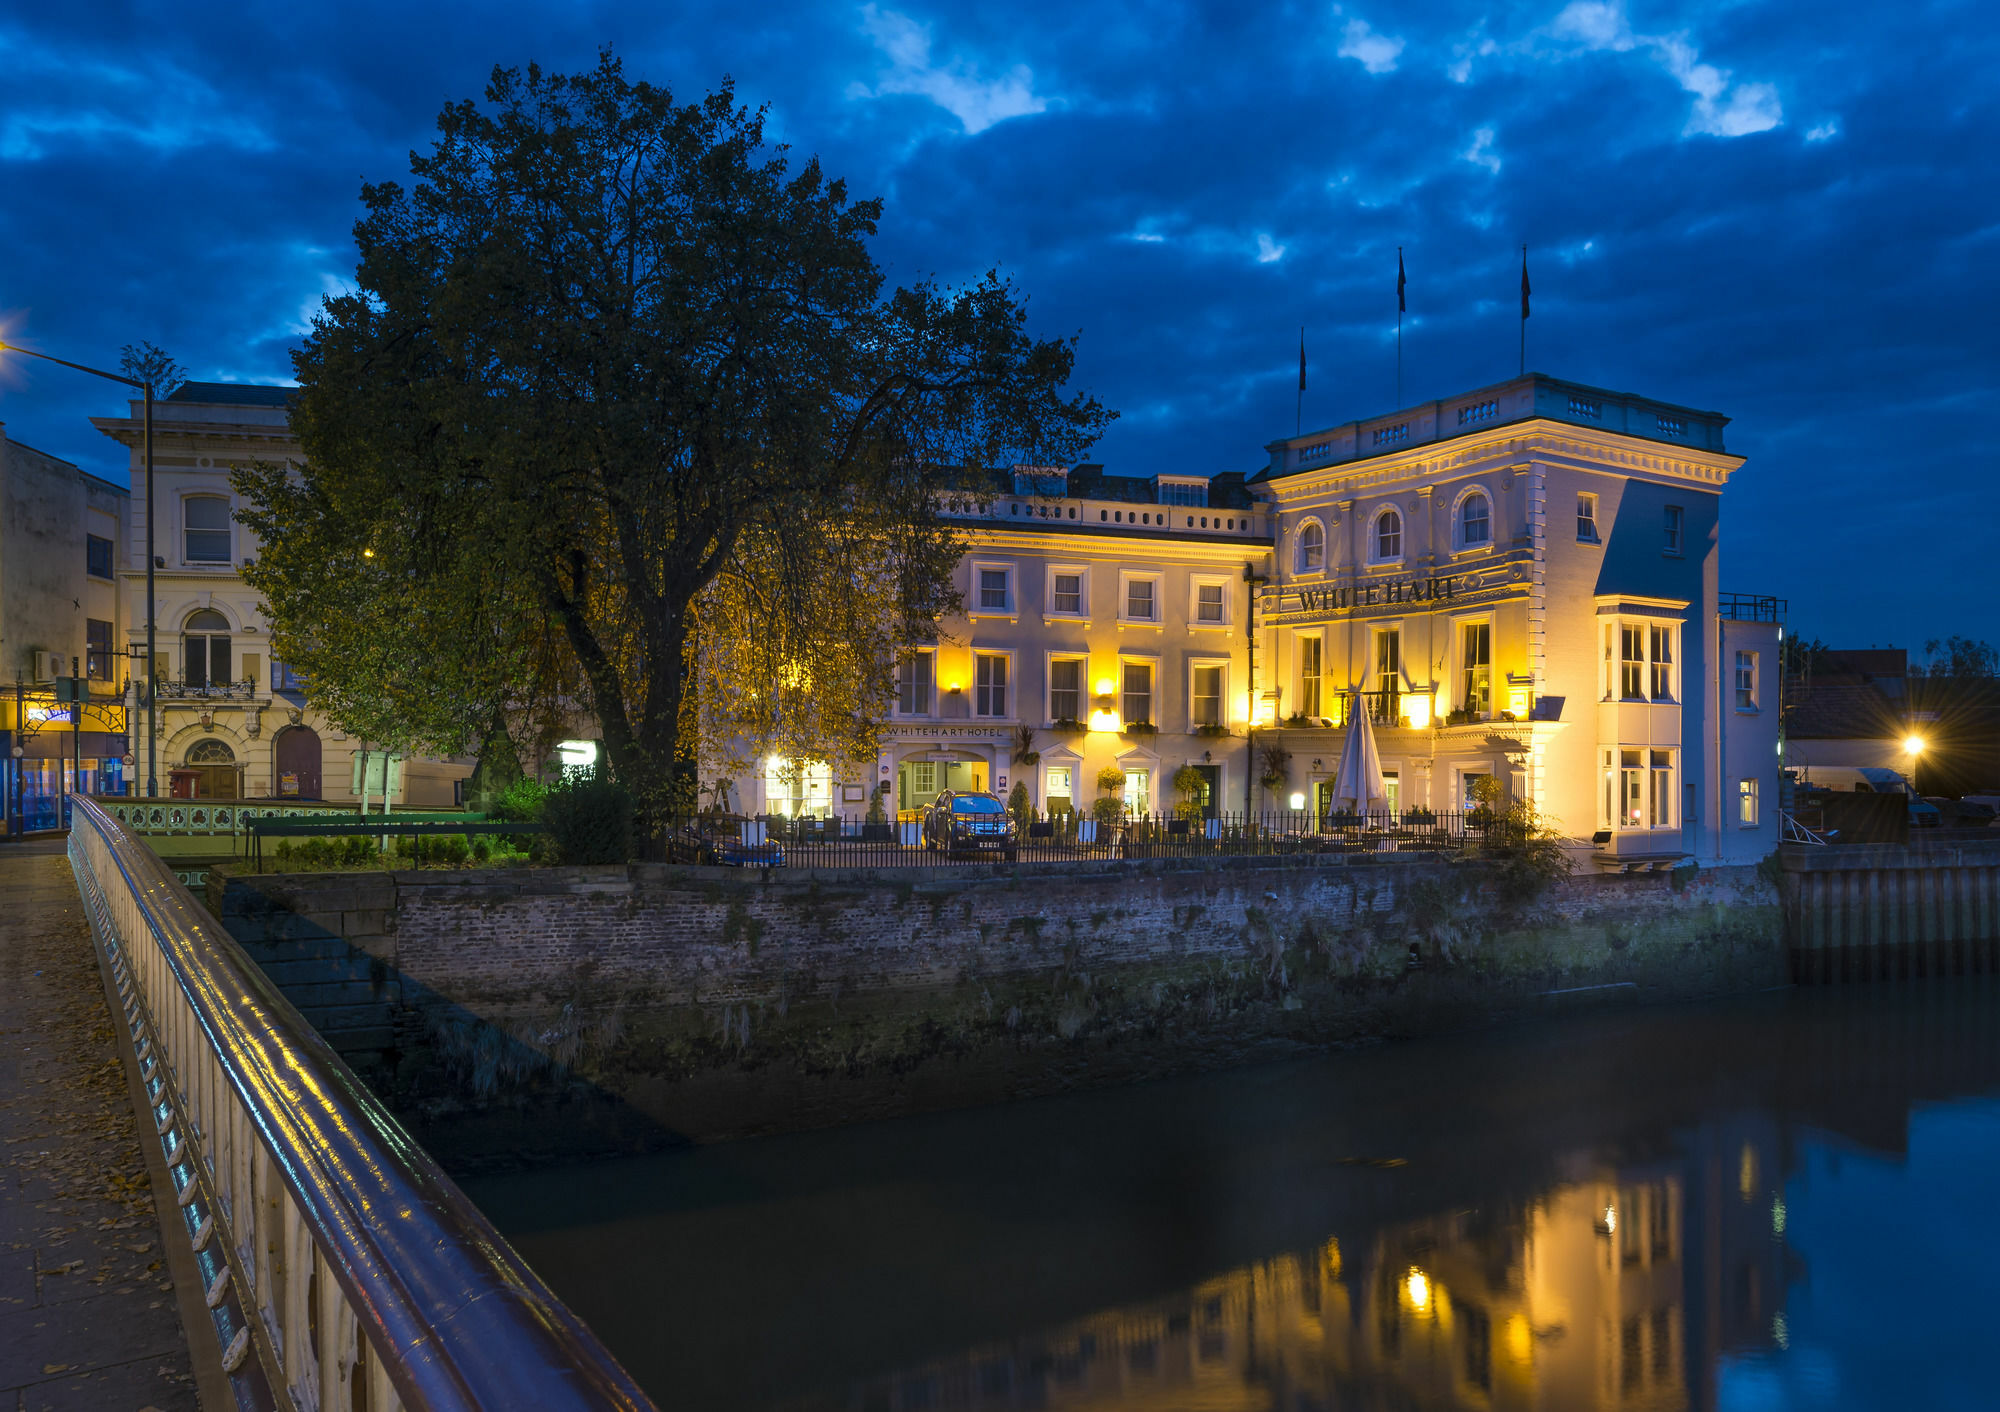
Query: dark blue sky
(1787, 212)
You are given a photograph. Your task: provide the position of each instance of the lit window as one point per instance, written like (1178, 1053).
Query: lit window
(993, 589)
(1586, 519)
(1138, 693)
(1632, 789)
(1138, 792)
(207, 540)
(1066, 689)
(1746, 681)
(1476, 693)
(1662, 640)
(1208, 603)
(1746, 803)
(1475, 520)
(913, 684)
(1309, 676)
(1676, 523)
(1207, 696)
(97, 648)
(1662, 801)
(1632, 660)
(990, 693)
(1056, 789)
(1312, 547)
(1068, 596)
(1140, 600)
(1389, 535)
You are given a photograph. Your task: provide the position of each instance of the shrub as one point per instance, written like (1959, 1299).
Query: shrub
(482, 849)
(1019, 806)
(456, 850)
(589, 818)
(1110, 780)
(521, 802)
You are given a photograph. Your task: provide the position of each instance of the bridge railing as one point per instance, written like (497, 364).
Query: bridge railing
(341, 1267)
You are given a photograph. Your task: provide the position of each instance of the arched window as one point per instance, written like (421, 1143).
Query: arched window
(1389, 535)
(210, 751)
(205, 648)
(1475, 520)
(1312, 547)
(207, 526)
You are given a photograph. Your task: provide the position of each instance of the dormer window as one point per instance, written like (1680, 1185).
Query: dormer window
(1183, 492)
(1048, 481)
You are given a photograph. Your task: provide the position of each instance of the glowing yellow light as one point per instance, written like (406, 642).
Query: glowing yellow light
(1298, 800)
(1520, 1339)
(1913, 745)
(368, 554)
(1104, 720)
(1418, 709)
(1517, 700)
(1746, 1172)
(1418, 1287)
(1611, 1218)
(1105, 686)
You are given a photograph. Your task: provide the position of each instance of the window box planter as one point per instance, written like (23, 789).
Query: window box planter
(1143, 730)
(1213, 732)
(1069, 727)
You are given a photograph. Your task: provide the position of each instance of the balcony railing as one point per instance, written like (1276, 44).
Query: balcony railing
(245, 690)
(340, 1266)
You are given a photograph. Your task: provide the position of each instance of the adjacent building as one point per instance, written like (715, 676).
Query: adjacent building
(233, 721)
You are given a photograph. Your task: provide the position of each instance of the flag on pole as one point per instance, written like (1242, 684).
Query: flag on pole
(1524, 281)
(1302, 360)
(1401, 306)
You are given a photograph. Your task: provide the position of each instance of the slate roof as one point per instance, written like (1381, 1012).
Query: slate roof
(233, 394)
(1840, 710)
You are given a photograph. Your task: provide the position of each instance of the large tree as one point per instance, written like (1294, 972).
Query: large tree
(620, 414)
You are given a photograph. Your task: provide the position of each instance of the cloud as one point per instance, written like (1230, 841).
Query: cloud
(1269, 252)
(977, 103)
(1377, 53)
(1481, 153)
(1823, 131)
(1721, 109)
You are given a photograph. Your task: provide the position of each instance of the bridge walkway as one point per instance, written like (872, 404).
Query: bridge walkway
(88, 1311)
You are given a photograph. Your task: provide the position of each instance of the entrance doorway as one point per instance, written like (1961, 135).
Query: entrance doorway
(296, 763)
(918, 782)
(1210, 798)
(212, 764)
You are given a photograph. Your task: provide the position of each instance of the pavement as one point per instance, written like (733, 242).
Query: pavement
(88, 1312)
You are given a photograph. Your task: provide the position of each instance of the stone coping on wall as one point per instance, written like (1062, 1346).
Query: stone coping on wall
(1845, 857)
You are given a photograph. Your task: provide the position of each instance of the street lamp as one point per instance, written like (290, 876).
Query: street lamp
(1913, 746)
(152, 627)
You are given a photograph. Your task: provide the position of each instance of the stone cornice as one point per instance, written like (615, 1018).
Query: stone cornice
(1537, 439)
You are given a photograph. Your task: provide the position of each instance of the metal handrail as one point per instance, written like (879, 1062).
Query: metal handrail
(364, 1264)
(1790, 830)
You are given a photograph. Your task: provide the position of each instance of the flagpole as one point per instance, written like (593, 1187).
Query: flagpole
(1299, 412)
(1400, 281)
(1524, 311)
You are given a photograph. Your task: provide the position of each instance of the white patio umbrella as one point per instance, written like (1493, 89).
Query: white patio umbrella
(1358, 784)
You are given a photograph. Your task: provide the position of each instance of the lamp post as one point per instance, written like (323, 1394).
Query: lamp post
(152, 627)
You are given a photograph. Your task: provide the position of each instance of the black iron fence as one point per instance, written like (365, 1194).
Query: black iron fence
(836, 841)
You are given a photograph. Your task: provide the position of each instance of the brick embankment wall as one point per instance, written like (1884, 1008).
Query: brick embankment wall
(650, 1004)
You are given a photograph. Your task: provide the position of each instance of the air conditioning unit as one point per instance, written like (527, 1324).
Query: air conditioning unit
(49, 666)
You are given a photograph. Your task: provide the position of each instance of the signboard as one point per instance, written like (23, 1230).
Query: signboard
(288, 784)
(1335, 598)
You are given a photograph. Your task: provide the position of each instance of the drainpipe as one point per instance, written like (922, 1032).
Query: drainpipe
(1251, 580)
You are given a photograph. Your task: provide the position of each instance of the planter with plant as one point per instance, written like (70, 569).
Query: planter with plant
(1109, 807)
(875, 825)
(1213, 732)
(1066, 726)
(1024, 747)
(1139, 730)
(1277, 762)
(1191, 785)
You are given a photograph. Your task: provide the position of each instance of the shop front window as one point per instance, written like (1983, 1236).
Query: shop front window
(798, 788)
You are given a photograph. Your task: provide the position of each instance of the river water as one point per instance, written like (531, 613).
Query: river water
(1785, 1201)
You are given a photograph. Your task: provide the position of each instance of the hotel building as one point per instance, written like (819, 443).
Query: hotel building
(1519, 583)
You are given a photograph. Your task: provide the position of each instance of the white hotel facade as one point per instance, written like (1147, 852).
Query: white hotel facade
(1520, 582)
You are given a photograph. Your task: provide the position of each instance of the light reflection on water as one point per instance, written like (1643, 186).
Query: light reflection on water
(1731, 1206)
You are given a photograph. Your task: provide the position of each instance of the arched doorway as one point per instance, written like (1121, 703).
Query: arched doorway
(212, 764)
(295, 763)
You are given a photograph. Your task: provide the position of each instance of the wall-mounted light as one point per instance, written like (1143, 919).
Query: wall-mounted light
(1105, 686)
(954, 689)
(1298, 800)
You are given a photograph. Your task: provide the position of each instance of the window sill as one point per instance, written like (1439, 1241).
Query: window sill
(1395, 563)
(1593, 540)
(1208, 627)
(1155, 624)
(993, 615)
(1050, 620)
(1672, 554)
(1749, 711)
